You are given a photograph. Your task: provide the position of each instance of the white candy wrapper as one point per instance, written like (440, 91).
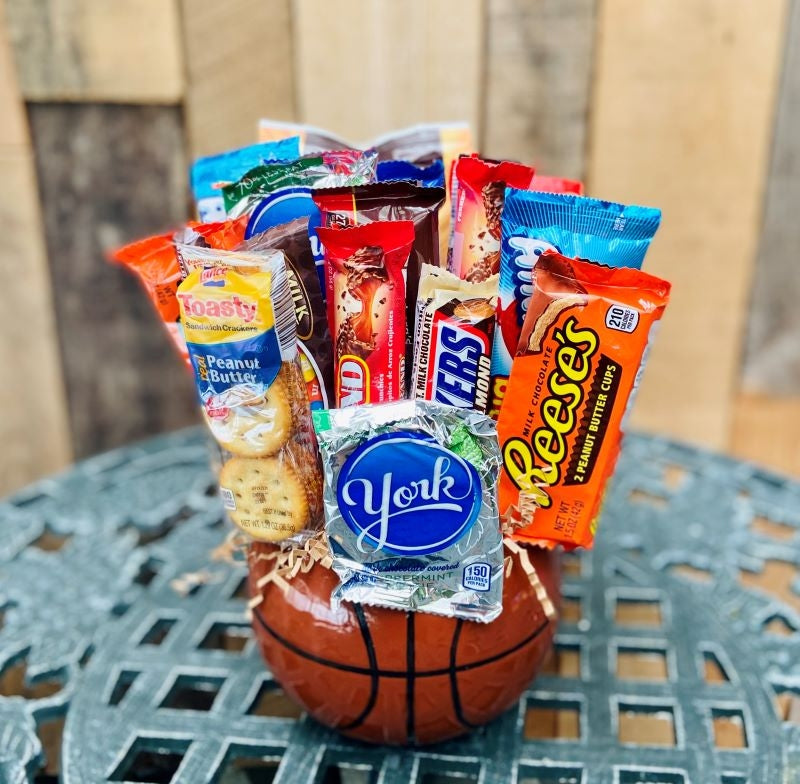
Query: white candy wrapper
(411, 507)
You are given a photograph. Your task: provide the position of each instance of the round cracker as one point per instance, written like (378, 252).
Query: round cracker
(264, 497)
(257, 429)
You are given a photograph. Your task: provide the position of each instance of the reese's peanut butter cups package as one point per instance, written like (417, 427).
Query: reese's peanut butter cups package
(478, 195)
(411, 507)
(534, 222)
(367, 309)
(580, 351)
(390, 201)
(454, 329)
(210, 173)
(238, 319)
(155, 262)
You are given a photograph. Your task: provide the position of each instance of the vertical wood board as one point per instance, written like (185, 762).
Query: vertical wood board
(239, 68)
(365, 67)
(772, 356)
(95, 50)
(538, 81)
(766, 430)
(682, 119)
(109, 174)
(33, 414)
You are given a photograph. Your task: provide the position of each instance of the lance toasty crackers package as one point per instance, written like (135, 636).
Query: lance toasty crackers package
(155, 262)
(578, 361)
(238, 319)
(210, 173)
(454, 330)
(534, 222)
(478, 194)
(411, 507)
(367, 309)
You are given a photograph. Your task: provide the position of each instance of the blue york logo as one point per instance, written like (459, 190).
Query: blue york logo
(405, 494)
(524, 253)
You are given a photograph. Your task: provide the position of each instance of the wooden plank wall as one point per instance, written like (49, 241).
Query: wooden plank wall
(649, 102)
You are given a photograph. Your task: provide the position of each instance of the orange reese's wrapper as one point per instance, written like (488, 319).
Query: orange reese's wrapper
(578, 360)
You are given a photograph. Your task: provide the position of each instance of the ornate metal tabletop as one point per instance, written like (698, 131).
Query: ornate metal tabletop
(678, 654)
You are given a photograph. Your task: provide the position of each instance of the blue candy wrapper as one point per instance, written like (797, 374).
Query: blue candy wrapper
(430, 176)
(208, 172)
(532, 222)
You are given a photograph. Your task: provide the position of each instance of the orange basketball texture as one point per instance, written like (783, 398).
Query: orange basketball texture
(387, 676)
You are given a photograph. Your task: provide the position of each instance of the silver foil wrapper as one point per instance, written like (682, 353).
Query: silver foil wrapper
(411, 507)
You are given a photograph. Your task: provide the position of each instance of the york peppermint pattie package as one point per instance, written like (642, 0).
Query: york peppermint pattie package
(411, 507)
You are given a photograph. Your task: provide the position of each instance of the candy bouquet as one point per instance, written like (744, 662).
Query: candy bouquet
(416, 364)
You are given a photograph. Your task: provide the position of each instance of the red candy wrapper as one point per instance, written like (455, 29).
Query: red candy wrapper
(478, 195)
(544, 182)
(367, 309)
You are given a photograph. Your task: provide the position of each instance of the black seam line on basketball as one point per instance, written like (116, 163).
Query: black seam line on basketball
(454, 679)
(410, 655)
(373, 668)
(397, 673)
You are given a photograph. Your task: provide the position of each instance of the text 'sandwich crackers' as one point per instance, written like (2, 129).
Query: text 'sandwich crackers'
(367, 309)
(155, 262)
(478, 196)
(578, 361)
(238, 319)
(534, 222)
(455, 326)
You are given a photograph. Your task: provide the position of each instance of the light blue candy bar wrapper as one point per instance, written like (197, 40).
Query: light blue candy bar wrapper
(208, 172)
(533, 222)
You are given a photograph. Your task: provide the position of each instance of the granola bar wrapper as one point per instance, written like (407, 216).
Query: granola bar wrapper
(411, 507)
(210, 173)
(455, 326)
(579, 359)
(360, 204)
(534, 222)
(367, 309)
(478, 196)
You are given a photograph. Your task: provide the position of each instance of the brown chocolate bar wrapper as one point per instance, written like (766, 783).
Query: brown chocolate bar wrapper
(381, 201)
(313, 334)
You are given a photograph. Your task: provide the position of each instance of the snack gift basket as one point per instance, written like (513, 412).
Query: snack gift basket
(415, 365)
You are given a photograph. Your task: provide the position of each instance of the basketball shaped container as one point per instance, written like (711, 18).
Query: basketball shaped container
(387, 676)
